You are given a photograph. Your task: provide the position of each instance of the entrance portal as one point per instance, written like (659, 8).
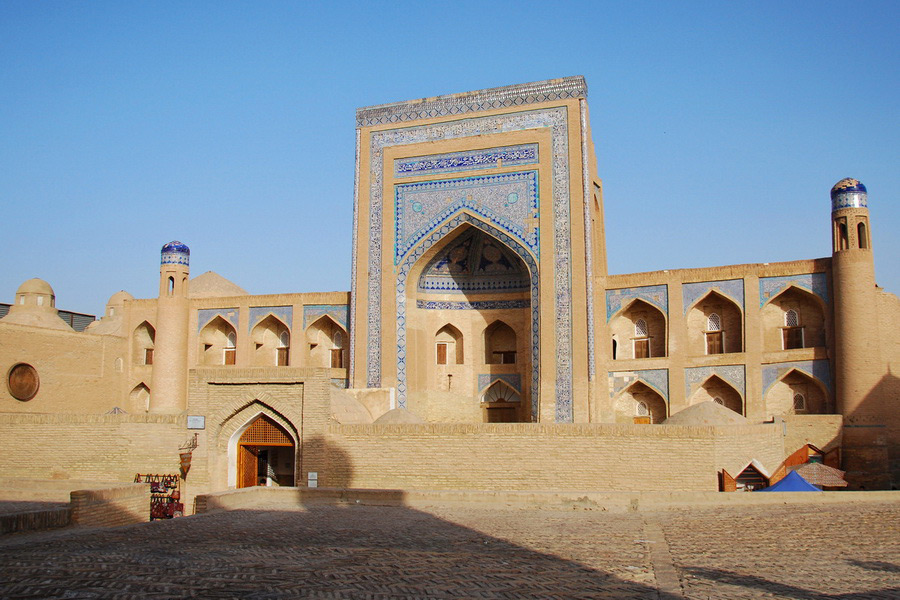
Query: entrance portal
(265, 455)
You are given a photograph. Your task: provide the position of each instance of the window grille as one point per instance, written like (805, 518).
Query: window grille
(642, 410)
(640, 329)
(285, 339)
(265, 432)
(791, 319)
(714, 323)
(719, 401)
(799, 402)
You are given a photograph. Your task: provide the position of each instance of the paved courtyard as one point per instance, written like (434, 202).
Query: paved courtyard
(804, 552)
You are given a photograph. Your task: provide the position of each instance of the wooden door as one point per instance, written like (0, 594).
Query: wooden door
(248, 457)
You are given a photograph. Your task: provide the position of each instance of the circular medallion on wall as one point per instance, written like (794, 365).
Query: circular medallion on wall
(23, 382)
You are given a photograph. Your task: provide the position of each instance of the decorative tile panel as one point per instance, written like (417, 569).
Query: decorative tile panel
(657, 379)
(470, 160)
(355, 250)
(416, 254)
(205, 315)
(485, 381)
(817, 369)
(460, 104)
(474, 262)
(732, 374)
(338, 312)
(814, 283)
(733, 289)
(554, 119)
(509, 201)
(477, 305)
(339, 383)
(657, 295)
(285, 314)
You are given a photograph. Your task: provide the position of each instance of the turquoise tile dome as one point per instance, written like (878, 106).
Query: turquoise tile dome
(175, 253)
(848, 193)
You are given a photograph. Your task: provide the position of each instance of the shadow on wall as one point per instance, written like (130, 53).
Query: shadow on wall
(875, 428)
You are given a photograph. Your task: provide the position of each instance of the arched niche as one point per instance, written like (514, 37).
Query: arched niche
(720, 391)
(139, 398)
(793, 319)
(639, 331)
(715, 325)
(782, 397)
(218, 340)
(448, 343)
(143, 341)
(640, 404)
(327, 343)
(502, 404)
(500, 344)
(271, 340)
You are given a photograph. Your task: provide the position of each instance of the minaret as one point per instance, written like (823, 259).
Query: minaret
(168, 389)
(858, 366)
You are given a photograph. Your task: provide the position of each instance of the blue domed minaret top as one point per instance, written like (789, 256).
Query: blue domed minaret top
(848, 193)
(175, 253)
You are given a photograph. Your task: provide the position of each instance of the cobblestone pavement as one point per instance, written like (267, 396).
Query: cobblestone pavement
(823, 552)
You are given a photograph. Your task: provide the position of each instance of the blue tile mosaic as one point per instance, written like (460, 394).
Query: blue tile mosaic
(460, 104)
(732, 289)
(413, 257)
(469, 160)
(338, 312)
(553, 119)
(657, 379)
(474, 262)
(476, 305)
(354, 250)
(657, 295)
(814, 283)
(732, 374)
(817, 369)
(285, 314)
(509, 201)
(485, 381)
(175, 253)
(849, 193)
(205, 315)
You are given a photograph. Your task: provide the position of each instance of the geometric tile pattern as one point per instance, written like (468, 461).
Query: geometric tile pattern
(553, 119)
(814, 283)
(732, 374)
(401, 283)
(474, 262)
(205, 315)
(352, 325)
(475, 101)
(469, 160)
(657, 379)
(732, 289)
(285, 314)
(817, 369)
(510, 201)
(657, 295)
(338, 312)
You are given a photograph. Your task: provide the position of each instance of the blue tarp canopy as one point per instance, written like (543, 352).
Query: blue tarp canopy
(793, 482)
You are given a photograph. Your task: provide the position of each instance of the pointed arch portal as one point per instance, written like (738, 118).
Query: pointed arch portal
(265, 454)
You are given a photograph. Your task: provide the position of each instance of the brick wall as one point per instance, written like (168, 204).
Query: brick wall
(111, 507)
(543, 457)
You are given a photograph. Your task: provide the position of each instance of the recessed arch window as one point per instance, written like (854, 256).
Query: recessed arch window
(641, 339)
(799, 402)
(641, 409)
(230, 349)
(792, 336)
(500, 344)
(715, 337)
(719, 401)
(861, 235)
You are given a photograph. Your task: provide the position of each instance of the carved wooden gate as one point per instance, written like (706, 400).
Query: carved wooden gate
(261, 433)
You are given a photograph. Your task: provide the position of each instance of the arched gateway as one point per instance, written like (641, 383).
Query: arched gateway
(265, 455)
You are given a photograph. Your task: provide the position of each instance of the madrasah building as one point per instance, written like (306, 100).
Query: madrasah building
(483, 344)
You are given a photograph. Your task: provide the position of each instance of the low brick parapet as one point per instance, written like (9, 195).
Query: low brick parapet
(110, 507)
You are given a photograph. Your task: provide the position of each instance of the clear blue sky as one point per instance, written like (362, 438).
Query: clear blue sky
(720, 128)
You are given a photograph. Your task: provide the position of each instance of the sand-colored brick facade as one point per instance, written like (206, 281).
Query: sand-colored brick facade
(483, 344)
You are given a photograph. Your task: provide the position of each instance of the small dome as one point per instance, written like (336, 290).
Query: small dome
(35, 286)
(175, 253)
(119, 298)
(848, 193)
